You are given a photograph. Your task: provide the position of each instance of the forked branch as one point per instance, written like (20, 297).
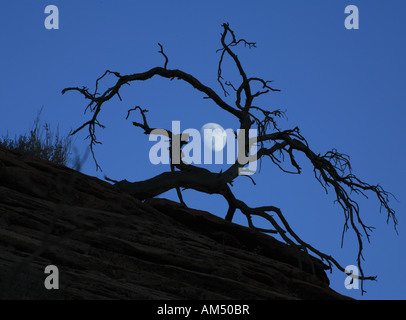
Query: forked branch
(332, 170)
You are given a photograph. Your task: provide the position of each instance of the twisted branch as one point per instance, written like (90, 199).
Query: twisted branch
(332, 170)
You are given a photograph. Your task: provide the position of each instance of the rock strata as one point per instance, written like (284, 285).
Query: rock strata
(108, 245)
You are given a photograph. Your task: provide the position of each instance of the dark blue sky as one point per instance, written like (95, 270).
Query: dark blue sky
(343, 88)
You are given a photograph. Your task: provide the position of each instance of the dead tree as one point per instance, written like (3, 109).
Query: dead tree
(332, 169)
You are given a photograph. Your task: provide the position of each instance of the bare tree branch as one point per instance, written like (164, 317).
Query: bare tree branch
(332, 170)
(163, 53)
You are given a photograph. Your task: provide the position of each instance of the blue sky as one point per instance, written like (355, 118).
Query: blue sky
(343, 88)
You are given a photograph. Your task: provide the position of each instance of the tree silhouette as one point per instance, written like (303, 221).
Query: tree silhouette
(332, 169)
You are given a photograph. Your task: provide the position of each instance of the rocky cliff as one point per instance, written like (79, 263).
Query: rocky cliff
(108, 245)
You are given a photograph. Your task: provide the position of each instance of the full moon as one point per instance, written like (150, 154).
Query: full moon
(219, 135)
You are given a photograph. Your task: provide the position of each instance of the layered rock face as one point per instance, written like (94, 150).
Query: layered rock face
(108, 245)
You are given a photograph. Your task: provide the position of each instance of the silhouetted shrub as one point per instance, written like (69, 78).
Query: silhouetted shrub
(41, 142)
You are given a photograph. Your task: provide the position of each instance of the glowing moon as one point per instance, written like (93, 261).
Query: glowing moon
(219, 135)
